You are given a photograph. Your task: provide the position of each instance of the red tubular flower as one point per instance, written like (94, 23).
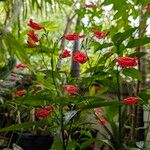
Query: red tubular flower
(130, 100)
(65, 53)
(43, 112)
(20, 92)
(80, 57)
(127, 61)
(71, 89)
(73, 37)
(21, 66)
(33, 36)
(99, 34)
(102, 122)
(34, 25)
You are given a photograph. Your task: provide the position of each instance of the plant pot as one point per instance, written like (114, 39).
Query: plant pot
(28, 141)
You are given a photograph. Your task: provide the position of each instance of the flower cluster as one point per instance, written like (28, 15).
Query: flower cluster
(71, 89)
(127, 62)
(99, 34)
(32, 36)
(43, 112)
(20, 92)
(130, 100)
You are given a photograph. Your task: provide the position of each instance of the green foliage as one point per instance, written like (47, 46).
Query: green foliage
(133, 73)
(138, 42)
(22, 126)
(7, 69)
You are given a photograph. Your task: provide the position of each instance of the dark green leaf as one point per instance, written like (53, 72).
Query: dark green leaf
(121, 36)
(138, 42)
(26, 125)
(133, 73)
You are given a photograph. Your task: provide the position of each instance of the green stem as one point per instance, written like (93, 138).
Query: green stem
(62, 128)
(119, 110)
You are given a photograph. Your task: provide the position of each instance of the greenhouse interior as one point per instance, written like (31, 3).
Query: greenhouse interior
(74, 74)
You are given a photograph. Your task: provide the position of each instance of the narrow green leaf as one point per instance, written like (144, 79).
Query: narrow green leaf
(138, 42)
(119, 37)
(133, 73)
(99, 104)
(26, 125)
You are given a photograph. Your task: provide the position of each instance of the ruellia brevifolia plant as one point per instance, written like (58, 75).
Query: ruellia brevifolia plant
(61, 103)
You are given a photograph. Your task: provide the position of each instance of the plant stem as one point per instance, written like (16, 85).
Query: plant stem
(119, 110)
(62, 128)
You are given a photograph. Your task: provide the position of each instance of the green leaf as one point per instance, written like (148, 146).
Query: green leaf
(7, 69)
(14, 45)
(121, 36)
(99, 104)
(98, 46)
(145, 95)
(26, 125)
(138, 42)
(133, 73)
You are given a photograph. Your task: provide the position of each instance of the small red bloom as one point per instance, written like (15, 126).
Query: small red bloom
(43, 112)
(34, 25)
(130, 100)
(21, 66)
(102, 121)
(90, 5)
(127, 61)
(33, 36)
(20, 92)
(99, 34)
(80, 57)
(71, 89)
(74, 36)
(65, 53)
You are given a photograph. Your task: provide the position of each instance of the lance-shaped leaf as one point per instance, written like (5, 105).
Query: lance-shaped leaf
(22, 126)
(133, 73)
(138, 42)
(119, 37)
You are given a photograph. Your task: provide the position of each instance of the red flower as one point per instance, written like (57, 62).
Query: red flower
(127, 61)
(80, 57)
(20, 92)
(33, 36)
(99, 34)
(43, 112)
(74, 36)
(71, 89)
(130, 100)
(102, 121)
(35, 25)
(21, 66)
(65, 53)
(90, 5)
